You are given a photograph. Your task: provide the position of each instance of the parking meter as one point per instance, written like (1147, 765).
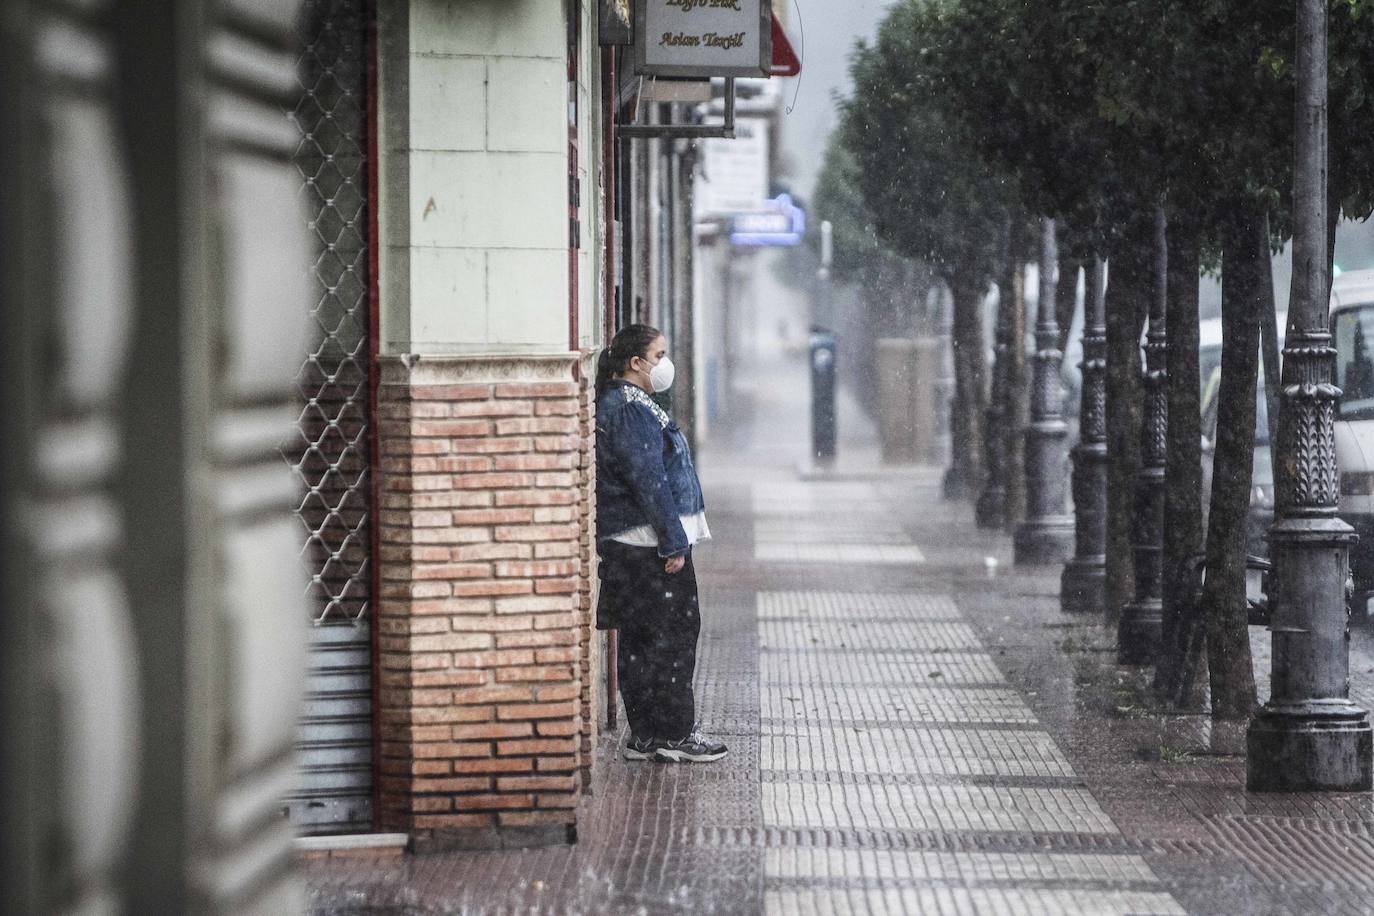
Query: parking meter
(822, 395)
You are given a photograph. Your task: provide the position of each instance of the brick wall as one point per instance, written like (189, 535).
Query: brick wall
(483, 643)
(591, 658)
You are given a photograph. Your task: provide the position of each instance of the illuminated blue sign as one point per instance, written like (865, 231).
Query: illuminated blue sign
(783, 223)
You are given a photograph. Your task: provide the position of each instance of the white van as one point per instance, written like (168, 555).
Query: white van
(1352, 326)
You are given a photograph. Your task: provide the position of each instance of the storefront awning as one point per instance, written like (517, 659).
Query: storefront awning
(785, 61)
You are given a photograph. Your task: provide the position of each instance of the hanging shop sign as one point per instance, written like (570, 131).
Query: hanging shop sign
(733, 177)
(781, 223)
(703, 37)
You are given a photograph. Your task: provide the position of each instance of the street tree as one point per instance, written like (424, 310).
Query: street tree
(931, 198)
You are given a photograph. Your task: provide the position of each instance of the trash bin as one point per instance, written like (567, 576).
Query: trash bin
(822, 395)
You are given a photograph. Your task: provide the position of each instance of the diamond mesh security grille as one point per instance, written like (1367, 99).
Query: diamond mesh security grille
(331, 453)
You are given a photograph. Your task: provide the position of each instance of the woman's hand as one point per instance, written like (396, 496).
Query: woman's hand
(675, 564)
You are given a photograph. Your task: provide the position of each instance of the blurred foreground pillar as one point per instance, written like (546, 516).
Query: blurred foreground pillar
(153, 265)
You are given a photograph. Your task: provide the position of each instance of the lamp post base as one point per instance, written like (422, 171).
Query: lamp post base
(1323, 746)
(1139, 632)
(990, 512)
(955, 485)
(1043, 541)
(1082, 587)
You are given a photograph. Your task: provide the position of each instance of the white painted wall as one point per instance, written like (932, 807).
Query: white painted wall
(473, 110)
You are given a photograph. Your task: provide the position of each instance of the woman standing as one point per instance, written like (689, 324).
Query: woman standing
(650, 512)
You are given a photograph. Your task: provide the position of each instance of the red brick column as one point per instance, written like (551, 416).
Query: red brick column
(484, 599)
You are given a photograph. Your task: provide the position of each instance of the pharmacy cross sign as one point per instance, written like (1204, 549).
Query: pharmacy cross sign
(703, 38)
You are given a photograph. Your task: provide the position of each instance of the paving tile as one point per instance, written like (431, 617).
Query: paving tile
(795, 552)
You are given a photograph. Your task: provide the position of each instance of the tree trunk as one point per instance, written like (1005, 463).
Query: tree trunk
(991, 511)
(1182, 469)
(1066, 299)
(1245, 256)
(969, 388)
(1128, 297)
(1018, 400)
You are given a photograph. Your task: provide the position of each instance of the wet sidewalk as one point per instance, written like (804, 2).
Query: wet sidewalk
(914, 728)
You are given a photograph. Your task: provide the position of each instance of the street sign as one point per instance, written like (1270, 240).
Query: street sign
(734, 173)
(703, 37)
(782, 224)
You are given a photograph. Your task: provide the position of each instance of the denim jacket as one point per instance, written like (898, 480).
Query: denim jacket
(644, 473)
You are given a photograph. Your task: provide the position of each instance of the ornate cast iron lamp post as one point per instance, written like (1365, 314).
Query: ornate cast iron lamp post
(1081, 586)
(1139, 629)
(1309, 736)
(1046, 536)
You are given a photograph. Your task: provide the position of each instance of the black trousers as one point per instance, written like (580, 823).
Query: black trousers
(659, 621)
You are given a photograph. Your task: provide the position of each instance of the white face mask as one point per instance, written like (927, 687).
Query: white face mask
(661, 376)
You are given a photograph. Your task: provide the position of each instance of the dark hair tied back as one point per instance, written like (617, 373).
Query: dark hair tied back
(631, 341)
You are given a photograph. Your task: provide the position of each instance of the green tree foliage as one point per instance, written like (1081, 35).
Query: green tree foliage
(931, 198)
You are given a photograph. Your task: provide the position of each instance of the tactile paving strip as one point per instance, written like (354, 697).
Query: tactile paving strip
(791, 552)
(837, 669)
(930, 807)
(855, 605)
(805, 530)
(909, 705)
(892, 635)
(811, 492)
(962, 901)
(803, 863)
(924, 751)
